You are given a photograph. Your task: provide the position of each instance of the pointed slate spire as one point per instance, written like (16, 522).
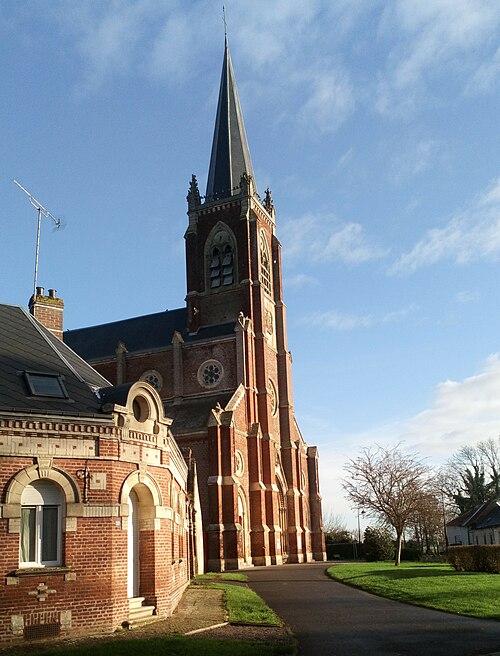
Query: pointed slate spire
(230, 154)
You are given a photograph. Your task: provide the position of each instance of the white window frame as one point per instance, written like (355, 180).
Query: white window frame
(38, 536)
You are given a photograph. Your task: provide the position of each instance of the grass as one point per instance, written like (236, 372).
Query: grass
(224, 576)
(246, 607)
(173, 646)
(243, 606)
(434, 585)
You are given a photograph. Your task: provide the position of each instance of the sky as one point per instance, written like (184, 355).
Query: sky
(375, 123)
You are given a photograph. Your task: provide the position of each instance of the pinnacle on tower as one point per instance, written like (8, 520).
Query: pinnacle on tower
(230, 157)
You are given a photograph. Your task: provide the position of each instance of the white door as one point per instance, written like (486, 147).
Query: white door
(133, 546)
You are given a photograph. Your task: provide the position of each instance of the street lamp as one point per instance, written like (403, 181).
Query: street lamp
(363, 513)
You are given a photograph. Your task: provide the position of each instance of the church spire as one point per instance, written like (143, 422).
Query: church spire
(230, 157)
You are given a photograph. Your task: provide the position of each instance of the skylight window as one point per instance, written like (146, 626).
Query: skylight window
(46, 385)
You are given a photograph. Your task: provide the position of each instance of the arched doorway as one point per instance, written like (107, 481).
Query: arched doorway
(133, 546)
(243, 521)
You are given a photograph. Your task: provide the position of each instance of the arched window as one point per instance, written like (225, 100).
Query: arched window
(265, 264)
(221, 265)
(42, 506)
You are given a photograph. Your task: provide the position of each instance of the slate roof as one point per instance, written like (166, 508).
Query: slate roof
(490, 519)
(230, 156)
(485, 515)
(193, 414)
(139, 334)
(26, 345)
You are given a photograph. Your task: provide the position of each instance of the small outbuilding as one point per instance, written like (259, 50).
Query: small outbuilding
(481, 525)
(97, 521)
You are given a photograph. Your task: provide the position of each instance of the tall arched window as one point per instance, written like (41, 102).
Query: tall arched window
(42, 506)
(221, 265)
(265, 264)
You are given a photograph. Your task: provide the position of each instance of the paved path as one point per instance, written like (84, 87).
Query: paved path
(332, 619)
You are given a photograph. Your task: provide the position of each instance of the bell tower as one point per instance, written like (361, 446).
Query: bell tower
(234, 286)
(222, 238)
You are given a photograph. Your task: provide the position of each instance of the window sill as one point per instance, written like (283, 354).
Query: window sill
(39, 571)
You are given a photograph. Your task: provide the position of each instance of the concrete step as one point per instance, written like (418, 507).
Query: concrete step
(135, 602)
(138, 612)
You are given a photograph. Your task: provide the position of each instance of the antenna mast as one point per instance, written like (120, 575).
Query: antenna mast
(41, 210)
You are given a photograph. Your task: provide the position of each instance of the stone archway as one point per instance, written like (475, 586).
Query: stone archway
(243, 521)
(133, 546)
(139, 497)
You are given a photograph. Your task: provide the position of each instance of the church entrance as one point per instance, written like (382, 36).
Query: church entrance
(243, 521)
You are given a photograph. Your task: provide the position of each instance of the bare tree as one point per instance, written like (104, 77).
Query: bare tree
(335, 528)
(428, 524)
(387, 484)
(472, 475)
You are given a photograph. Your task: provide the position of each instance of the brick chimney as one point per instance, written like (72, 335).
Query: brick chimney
(48, 310)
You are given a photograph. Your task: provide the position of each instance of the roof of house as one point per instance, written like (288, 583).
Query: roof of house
(484, 515)
(193, 414)
(29, 353)
(139, 334)
(490, 518)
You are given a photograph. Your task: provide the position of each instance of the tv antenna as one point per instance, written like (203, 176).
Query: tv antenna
(42, 211)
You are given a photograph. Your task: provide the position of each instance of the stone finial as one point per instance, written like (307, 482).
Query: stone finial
(193, 197)
(268, 201)
(247, 187)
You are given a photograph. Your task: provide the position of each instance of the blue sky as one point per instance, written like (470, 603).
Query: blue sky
(375, 124)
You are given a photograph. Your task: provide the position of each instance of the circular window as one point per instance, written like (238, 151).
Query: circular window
(210, 373)
(153, 378)
(140, 408)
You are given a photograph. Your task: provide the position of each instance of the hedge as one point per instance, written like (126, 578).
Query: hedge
(475, 558)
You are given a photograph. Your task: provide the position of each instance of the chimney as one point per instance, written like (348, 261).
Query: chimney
(48, 310)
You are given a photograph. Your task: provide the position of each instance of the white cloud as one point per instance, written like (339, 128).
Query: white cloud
(415, 159)
(340, 321)
(108, 37)
(486, 76)
(464, 412)
(439, 41)
(465, 296)
(349, 244)
(461, 413)
(301, 280)
(470, 235)
(324, 238)
(330, 98)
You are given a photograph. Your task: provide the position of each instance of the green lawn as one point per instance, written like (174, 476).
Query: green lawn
(246, 607)
(223, 576)
(434, 585)
(242, 604)
(173, 646)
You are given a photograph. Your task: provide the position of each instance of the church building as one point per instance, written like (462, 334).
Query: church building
(222, 368)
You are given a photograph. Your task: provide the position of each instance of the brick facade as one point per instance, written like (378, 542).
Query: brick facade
(258, 479)
(95, 464)
(222, 366)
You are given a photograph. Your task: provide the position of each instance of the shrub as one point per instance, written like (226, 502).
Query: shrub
(343, 551)
(411, 552)
(475, 558)
(378, 544)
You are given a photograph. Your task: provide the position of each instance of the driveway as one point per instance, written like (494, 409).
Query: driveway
(329, 618)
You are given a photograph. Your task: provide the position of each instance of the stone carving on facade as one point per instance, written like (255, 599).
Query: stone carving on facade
(193, 197)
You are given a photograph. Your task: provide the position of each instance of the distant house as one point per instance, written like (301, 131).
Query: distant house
(96, 519)
(481, 525)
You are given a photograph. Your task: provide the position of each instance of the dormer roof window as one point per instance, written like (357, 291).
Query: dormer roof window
(45, 384)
